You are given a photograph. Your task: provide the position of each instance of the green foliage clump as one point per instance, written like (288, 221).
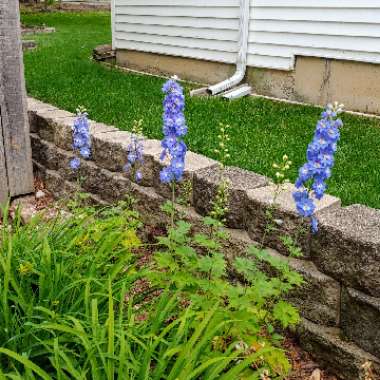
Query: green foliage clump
(76, 304)
(193, 265)
(56, 278)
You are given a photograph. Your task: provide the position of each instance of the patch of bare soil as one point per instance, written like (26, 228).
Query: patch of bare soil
(304, 367)
(65, 7)
(27, 30)
(31, 204)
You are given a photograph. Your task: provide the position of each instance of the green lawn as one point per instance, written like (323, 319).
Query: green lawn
(61, 72)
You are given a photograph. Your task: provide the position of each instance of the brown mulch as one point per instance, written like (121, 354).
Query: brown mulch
(302, 363)
(45, 201)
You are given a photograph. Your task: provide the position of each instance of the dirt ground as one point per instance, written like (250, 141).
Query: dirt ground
(34, 6)
(303, 365)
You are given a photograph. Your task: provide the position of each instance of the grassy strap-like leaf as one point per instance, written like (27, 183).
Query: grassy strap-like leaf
(26, 363)
(236, 370)
(111, 329)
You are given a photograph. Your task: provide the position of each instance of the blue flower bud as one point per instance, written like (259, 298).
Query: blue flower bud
(75, 163)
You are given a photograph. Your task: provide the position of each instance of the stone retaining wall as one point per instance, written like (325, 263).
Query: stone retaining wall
(340, 301)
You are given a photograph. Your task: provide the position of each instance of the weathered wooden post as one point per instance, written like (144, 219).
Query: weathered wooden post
(16, 172)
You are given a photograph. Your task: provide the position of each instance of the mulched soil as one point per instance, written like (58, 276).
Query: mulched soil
(302, 363)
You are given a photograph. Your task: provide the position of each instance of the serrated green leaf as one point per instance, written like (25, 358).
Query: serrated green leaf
(204, 241)
(286, 314)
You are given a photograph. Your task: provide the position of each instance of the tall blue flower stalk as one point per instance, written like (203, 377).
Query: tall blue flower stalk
(81, 138)
(311, 181)
(174, 129)
(135, 158)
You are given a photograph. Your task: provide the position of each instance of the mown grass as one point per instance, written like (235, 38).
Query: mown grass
(61, 72)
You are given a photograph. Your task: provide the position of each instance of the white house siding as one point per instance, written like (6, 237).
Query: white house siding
(280, 30)
(341, 29)
(203, 29)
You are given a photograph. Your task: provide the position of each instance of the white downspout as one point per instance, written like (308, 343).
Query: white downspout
(241, 62)
(113, 23)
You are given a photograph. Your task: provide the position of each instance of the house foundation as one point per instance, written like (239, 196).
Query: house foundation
(314, 80)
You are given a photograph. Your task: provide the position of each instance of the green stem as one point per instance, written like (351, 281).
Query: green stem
(272, 209)
(172, 216)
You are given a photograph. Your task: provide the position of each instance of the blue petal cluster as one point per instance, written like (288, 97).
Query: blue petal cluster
(135, 156)
(81, 139)
(312, 176)
(174, 129)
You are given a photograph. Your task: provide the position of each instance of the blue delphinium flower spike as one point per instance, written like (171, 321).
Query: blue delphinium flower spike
(81, 138)
(312, 177)
(174, 129)
(135, 149)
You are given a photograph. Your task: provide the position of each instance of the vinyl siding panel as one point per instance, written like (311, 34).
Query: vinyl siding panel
(280, 30)
(337, 29)
(189, 28)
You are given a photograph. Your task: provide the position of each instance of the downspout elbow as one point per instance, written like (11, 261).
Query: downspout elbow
(228, 83)
(241, 62)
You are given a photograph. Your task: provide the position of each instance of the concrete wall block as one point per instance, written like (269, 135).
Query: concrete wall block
(152, 148)
(110, 151)
(111, 187)
(36, 106)
(347, 247)
(32, 122)
(96, 127)
(45, 153)
(343, 358)
(237, 244)
(55, 115)
(65, 190)
(63, 137)
(109, 145)
(147, 203)
(274, 207)
(360, 320)
(207, 181)
(318, 299)
(55, 184)
(55, 126)
(39, 170)
(43, 128)
(194, 163)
